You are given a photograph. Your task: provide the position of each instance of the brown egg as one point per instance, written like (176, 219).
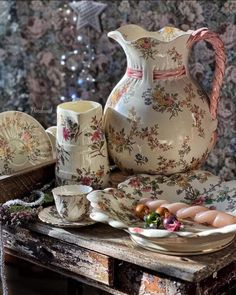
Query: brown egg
(141, 210)
(162, 211)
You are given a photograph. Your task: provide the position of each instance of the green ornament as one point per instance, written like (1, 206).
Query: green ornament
(152, 220)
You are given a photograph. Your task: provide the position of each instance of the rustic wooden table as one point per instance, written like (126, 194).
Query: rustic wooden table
(107, 259)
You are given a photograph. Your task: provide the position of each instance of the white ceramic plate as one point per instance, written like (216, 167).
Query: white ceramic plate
(180, 246)
(49, 215)
(194, 188)
(23, 142)
(116, 207)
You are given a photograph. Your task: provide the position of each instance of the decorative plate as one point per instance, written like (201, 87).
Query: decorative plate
(194, 188)
(116, 207)
(49, 215)
(183, 247)
(23, 142)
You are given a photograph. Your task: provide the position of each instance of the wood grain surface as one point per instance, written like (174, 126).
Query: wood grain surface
(78, 260)
(22, 183)
(117, 244)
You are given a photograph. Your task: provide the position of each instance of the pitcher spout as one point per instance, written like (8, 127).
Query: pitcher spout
(131, 33)
(127, 33)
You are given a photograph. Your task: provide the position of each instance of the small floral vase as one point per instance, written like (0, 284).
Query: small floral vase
(81, 148)
(157, 119)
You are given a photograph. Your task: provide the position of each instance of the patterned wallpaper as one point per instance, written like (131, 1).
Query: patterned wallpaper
(40, 45)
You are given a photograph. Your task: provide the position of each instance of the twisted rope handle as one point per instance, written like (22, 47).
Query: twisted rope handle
(218, 46)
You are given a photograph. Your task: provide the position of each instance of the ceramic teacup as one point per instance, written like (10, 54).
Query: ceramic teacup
(71, 202)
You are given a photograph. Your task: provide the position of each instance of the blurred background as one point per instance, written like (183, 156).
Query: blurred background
(46, 58)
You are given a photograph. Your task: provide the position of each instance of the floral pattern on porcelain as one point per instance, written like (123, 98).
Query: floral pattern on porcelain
(91, 178)
(83, 157)
(43, 22)
(70, 129)
(194, 187)
(118, 93)
(62, 156)
(115, 206)
(147, 47)
(160, 113)
(162, 101)
(119, 141)
(97, 138)
(86, 176)
(23, 142)
(175, 56)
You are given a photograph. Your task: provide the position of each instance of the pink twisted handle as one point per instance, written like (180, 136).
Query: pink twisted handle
(198, 214)
(218, 46)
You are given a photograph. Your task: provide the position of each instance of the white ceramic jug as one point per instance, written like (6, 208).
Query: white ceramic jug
(81, 148)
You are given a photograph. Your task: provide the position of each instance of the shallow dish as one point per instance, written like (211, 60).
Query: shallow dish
(50, 215)
(186, 246)
(23, 142)
(195, 187)
(116, 207)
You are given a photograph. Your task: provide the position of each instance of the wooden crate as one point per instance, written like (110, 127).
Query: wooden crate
(22, 183)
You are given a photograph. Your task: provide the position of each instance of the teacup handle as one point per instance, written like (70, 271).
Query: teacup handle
(218, 46)
(52, 134)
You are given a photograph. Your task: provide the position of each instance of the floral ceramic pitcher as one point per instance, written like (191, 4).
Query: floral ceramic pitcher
(157, 119)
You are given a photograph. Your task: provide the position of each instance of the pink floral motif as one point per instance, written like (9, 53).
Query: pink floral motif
(175, 56)
(147, 47)
(146, 44)
(199, 201)
(97, 138)
(137, 230)
(162, 101)
(91, 178)
(25, 131)
(141, 184)
(117, 94)
(26, 136)
(66, 133)
(70, 129)
(119, 141)
(195, 109)
(134, 182)
(86, 180)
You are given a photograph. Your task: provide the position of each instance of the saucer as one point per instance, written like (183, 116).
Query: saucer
(23, 142)
(179, 247)
(50, 215)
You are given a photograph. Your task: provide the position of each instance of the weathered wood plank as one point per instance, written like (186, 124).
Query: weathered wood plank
(135, 280)
(66, 273)
(79, 260)
(132, 279)
(116, 243)
(23, 182)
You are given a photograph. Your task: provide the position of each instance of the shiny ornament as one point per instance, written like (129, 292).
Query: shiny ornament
(88, 13)
(171, 223)
(163, 212)
(141, 210)
(152, 220)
